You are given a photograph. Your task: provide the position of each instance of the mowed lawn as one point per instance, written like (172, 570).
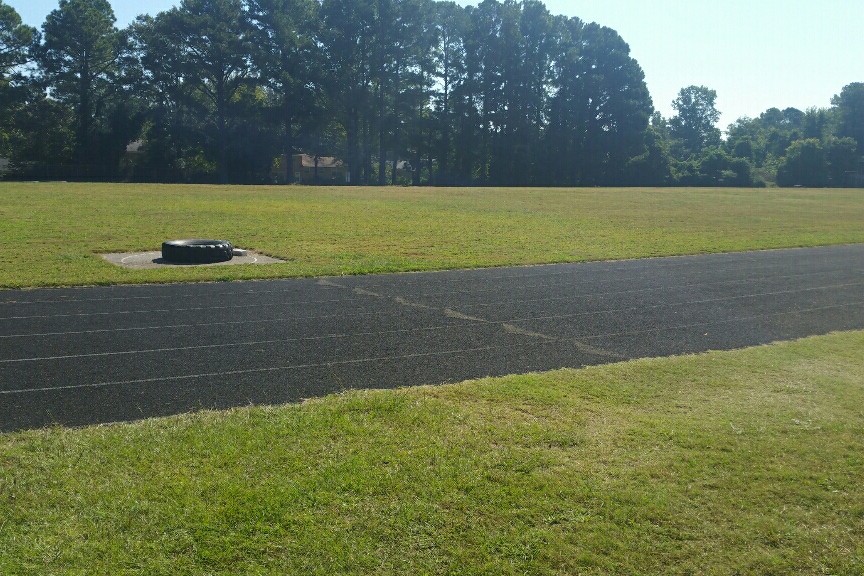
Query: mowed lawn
(52, 233)
(742, 462)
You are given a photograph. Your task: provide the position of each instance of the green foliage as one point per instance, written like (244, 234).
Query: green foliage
(81, 59)
(850, 107)
(653, 167)
(55, 125)
(16, 39)
(800, 148)
(600, 111)
(843, 161)
(502, 93)
(805, 164)
(694, 125)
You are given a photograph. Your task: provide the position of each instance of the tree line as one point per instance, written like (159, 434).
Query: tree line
(499, 94)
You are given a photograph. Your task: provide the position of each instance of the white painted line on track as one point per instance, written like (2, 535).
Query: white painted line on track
(524, 319)
(163, 296)
(409, 356)
(704, 301)
(147, 311)
(574, 268)
(573, 297)
(156, 311)
(642, 274)
(259, 370)
(720, 322)
(251, 343)
(582, 285)
(173, 326)
(334, 301)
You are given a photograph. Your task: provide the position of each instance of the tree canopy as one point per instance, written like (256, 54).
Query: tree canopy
(503, 93)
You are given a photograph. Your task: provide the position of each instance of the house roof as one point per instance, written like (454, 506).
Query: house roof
(308, 161)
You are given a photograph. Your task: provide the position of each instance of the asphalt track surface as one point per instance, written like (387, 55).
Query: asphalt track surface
(92, 355)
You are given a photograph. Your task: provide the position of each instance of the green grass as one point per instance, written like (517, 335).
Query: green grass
(51, 234)
(742, 462)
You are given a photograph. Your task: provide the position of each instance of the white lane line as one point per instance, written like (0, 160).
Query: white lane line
(720, 322)
(156, 310)
(469, 321)
(148, 311)
(573, 297)
(704, 301)
(323, 284)
(361, 314)
(588, 284)
(579, 267)
(241, 344)
(363, 292)
(259, 370)
(534, 343)
(202, 324)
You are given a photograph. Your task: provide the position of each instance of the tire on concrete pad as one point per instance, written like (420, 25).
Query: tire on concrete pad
(197, 251)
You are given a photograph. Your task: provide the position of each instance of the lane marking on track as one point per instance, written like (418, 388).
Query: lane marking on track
(704, 301)
(151, 310)
(403, 301)
(537, 342)
(422, 306)
(241, 344)
(326, 283)
(576, 268)
(573, 297)
(197, 325)
(407, 303)
(305, 288)
(460, 316)
(363, 292)
(259, 370)
(586, 285)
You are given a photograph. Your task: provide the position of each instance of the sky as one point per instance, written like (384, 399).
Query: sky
(756, 54)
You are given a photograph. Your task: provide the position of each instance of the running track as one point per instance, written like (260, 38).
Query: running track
(92, 355)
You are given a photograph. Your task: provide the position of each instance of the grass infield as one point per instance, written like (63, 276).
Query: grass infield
(742, 462)
(52, 233)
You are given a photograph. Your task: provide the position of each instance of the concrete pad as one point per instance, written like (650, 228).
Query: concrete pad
(151, 260)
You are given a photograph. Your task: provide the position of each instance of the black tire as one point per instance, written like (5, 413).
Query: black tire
(197, 251)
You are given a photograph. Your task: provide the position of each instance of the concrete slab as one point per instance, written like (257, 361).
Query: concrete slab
(151, 260)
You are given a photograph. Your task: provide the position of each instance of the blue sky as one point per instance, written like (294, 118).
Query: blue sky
(755, 53)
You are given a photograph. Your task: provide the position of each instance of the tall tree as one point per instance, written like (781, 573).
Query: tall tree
(411, 120)
(15, 40)
(206, 47)
(451, 23)
(288, 55)
(842, 157)
(805, 164)
(347, 42)
(850, 104)
(599, 108)
(80, 60)
(695, 122)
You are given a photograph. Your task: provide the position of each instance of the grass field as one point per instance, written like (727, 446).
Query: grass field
(51, 234)
(743, 462)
